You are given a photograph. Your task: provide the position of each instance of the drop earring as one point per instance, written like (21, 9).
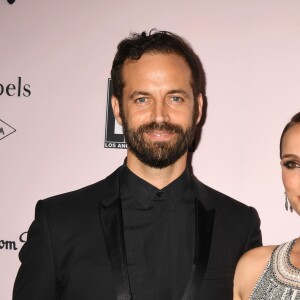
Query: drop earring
(286, 204)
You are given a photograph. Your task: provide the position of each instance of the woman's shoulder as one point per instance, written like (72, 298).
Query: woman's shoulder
(259, 254)
(254, 261)
(249, 269)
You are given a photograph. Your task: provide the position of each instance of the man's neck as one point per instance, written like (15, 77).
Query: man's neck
(157, 177)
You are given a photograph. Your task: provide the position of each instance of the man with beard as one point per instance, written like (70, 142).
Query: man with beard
(150, 230)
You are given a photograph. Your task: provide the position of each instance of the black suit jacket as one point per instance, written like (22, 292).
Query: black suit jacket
(75, 246)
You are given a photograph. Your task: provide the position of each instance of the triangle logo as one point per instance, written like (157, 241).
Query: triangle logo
(5, 130)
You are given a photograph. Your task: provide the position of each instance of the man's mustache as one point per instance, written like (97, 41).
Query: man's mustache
(163, 126)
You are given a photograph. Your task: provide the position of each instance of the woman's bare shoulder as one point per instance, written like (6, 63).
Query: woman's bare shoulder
(249, 269)
(259, 254)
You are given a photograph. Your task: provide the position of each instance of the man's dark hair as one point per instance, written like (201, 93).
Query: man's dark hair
(294, 120)
(160, 42)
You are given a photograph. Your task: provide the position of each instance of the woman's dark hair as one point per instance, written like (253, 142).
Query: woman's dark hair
(161, 42)
(294, 120)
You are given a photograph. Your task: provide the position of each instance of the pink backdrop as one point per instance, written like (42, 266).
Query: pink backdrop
(62, 51)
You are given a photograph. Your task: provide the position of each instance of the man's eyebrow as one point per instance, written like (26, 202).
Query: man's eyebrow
(138, 93)
(144, 93)
(178, 91)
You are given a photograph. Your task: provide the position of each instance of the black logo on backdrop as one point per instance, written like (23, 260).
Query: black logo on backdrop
(11, 1)
(12, 245)
(114, 137)
(17, 89)
(5, 130)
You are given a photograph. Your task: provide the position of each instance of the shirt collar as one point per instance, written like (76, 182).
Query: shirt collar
(137, 189)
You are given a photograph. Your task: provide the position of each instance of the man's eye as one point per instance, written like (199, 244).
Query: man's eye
(176, 99)
(141, 100)
(291, 164)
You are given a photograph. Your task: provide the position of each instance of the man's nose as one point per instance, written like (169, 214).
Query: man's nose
(160, 112)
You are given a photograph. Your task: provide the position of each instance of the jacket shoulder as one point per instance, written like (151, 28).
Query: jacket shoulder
(224, 201)
(241, 220)
(214, 198)
(224, 204)
(88, 195)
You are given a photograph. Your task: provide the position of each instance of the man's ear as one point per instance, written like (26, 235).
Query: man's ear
(200, 107)
(116, 109)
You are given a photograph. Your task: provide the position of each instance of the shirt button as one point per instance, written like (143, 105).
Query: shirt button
(159, 194)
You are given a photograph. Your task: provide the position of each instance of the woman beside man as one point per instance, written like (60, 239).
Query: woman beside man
(273, 272)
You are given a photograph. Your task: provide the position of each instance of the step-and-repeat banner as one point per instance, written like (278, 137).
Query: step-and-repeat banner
(56, 130)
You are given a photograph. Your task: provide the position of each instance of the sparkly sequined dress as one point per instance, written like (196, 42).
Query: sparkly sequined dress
(280, 279)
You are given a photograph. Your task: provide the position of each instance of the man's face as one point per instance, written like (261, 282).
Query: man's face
(157, 113)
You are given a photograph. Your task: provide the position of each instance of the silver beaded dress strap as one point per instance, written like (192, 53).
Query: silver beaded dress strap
(280, 279)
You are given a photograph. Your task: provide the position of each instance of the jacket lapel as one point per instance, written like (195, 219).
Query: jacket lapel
(204, 221)
(110, 212)
(204, 227)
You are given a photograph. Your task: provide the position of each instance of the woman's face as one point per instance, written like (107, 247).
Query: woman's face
(290, 164)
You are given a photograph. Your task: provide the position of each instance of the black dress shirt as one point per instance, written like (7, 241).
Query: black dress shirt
(159, 231)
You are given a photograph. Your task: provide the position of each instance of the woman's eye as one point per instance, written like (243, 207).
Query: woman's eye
(291, 164)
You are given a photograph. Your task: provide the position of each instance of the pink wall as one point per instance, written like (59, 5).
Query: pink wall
(63, 50)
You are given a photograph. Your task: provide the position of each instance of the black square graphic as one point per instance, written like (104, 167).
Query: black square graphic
(113, 137)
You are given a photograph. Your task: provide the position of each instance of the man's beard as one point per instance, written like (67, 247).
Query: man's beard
(159, 154)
